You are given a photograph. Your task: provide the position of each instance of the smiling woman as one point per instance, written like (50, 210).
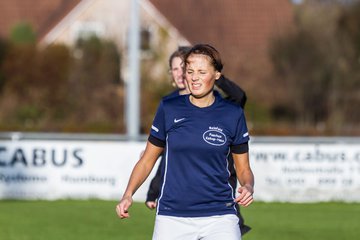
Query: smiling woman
(197, 132)
(202, 70)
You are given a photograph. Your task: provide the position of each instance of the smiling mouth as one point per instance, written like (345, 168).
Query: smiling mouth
(196, 85)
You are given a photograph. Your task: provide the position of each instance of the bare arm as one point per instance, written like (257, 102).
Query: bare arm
(245, 177)
(139, 174)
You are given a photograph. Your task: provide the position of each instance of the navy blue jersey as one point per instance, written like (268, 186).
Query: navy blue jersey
(173, 94)
(197, 143)
(154, 188)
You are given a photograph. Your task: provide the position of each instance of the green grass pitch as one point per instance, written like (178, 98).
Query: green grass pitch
(96, 219)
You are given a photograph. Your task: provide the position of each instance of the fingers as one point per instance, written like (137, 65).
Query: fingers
(122, 208)
(244, 201)
(151, 204)
(121, 212)
(245, 198)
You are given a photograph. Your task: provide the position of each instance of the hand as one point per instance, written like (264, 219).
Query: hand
(150, 204)
(123, 206)
(246, 195)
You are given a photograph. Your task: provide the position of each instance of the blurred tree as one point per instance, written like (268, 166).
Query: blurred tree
(35, 82)
(18, 103)
(78, 89)
(3, 49)
(348, 33)
(49, 89)
(22, 33)
(318, 67)
(54, 64)
(95, 86)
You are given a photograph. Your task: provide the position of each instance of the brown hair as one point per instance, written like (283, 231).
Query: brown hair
(209, 51)
(180, 52)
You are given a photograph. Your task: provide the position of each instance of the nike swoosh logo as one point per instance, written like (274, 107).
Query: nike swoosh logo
(178, 120)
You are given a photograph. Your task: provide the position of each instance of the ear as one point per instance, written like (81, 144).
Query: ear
(217, 75)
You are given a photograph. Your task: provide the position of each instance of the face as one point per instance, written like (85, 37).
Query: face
(200, 75)
(177, 72)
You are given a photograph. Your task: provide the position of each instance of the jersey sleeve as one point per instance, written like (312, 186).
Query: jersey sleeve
(241, 139)
(233, 92)
(157, 132)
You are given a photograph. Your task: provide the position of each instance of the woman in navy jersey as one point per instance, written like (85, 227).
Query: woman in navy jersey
(230, 90)
(197, 133)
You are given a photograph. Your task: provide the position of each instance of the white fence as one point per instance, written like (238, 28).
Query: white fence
(89, 166)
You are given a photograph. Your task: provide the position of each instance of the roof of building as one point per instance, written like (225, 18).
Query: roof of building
(239, 29)
(42, 15)
(232, 26)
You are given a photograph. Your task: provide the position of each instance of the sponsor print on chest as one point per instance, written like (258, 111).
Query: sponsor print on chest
(214, 136)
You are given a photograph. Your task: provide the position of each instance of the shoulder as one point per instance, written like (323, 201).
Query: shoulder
(173, 99)
(173, 94)
(173, 103)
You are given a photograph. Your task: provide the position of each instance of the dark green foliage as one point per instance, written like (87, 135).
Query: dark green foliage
(318, 64)
(22, 33)
(315, 88)
(3, 50)
(56, 88)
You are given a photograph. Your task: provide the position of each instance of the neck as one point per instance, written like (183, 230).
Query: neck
(204, 101)
(184, 91)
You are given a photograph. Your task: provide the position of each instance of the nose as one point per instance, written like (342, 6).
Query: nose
(179, 73)
(194, 77)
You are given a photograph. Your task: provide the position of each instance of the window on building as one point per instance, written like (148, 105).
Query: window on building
(85, 30)
(145, 39)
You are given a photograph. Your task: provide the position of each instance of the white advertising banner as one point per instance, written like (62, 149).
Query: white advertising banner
(293, 172)
(306, 172)
(67, 169)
